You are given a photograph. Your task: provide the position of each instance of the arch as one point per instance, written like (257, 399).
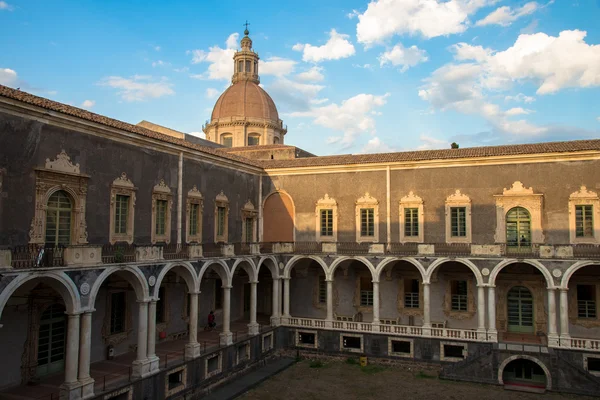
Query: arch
(564, 284)
(133, 275)
(340, 260)
(525, 357)
(272, 266)
(58, 281)
(389, 260)
(279, 217)
(248, 265)
(535, 263)
(287, 270)
(222, 270)
(465, 262)
(185, 270)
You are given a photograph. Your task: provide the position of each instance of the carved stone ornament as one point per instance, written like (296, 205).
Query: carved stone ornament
(152, 281)
(85, 289)
(161, 187)
(411, 198)
(249, 206)
(583, 193)
(194, 192)
(123, 181)
(367, 199)
(519, 196)
(326, 201)
(517, 189)
(62, 164)
(458, 197)
(222, 198)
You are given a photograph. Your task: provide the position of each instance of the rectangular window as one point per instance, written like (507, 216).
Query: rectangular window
(160, 306)
(586, 301)
(218, 294)
(193, 221)
(401, 347)
(411, 222)
(327, 222)
(352, 342)
(221, 211)
(161, 217)
(175, 379)
(212, 365)
(366, 292)
(227, 141)
(458, 220)
(117, 312)
(451, 351)
(322, 290)
(584, 223)
(249, 230)
(121, 211)
(411, 293)
(367, 222)
(247, 65)
(459, 295)
(253, 140)
(240, 66)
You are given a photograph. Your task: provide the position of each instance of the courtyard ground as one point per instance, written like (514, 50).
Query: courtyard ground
(333, 380)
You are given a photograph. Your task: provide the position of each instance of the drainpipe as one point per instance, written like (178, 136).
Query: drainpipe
(389, 210)
(260, 209)
(179, 197)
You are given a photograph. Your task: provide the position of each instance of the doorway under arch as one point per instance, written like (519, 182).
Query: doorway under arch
(523, 373)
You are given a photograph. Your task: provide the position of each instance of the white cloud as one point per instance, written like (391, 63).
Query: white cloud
(353, 14)
(315, 74)
(338, 46)
(428, 18)
(183, 69)
(598, 119)
(88, 104)
(295, 96)
(517, 111)
(5, 6)
(403, 57)
(430, 143)
(220, 60)
(520, 98)
(138, 87)
(8, 77)
(276, 66)
(352, 117)
(160, 63)
(211, 93)
(157, 48)
(504, 16)
(201, 135)
(375, 145)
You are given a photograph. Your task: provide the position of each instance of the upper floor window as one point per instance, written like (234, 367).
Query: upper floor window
(367, 219)
(122, 201)
(58, 219)
(518, 228)
(458, 291)
(458, 218)
(227, 140)
(161, 217)
(194, 208)
(327, 222)
(519, 216)
(253, 140)
(162, 201)
(326, 214)
(584, 221)
(366, 291)
(221, 217)
(411, 293)
(411, 217)
(586, 301)
(249, 216)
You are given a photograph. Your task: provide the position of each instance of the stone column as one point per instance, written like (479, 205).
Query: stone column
(275, 307)
(151, 352)
(286, 297)
(481, 332)
(552, 332)
(564, 318)
(141, 366)
(329, 300)
(375, 303)
(426, 310)
(70, 388)
(253, 328)
(85, 345)
(192, 348)
(492, 332)
(226, 337)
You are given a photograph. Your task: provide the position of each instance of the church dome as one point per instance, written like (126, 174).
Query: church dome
(245, 99)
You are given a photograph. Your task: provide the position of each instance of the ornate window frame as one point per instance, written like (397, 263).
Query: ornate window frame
(249, 212)
(194, 197)
(367, 201)
(519, 196)
(411, 201)
(161, 192)
(221, 201)
(458, 199)
(326, 203)
(59, 174)
(122, 186)
(584, 197)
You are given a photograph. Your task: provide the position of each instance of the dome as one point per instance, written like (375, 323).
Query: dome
(245, 99)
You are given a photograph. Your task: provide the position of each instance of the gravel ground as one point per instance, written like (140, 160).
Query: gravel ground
(338, 380)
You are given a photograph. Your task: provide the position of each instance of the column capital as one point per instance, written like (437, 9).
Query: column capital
(227, 287)
(285, 278)
(562, 289)
(491, 286)
(549, 288)
(196, 293)
(253, 282)
(375, 282)
(74, 314)
(144, 301)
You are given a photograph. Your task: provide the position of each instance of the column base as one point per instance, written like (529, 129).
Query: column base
(87, 388)
(426, 330)
(253, 329)
(553, 340)
(492, 335)
(482, 335)
(329, 324)
(154, 364)
(225, 338)
(275, 321)
(192, 350)
(71, 391)
(285, 319)
(141, 368)
(565, 340)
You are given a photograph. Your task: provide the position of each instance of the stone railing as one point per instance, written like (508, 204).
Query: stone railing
(581, 344)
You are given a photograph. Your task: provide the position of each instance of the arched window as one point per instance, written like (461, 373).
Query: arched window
(247, 65)
(240, 66)
(253, 139)
(275, 140)
(520, 310)
(518, 228)
(227, 140)
(59, 219)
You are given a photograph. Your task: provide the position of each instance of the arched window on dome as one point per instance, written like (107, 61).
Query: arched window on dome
(247, 65)
(253, 139)
(227, 140)
(256, 67)
(275, 140)
(240, 66)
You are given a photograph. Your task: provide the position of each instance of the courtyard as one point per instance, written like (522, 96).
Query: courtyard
(347, 380)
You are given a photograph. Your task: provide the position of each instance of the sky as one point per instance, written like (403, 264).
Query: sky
(347, 76)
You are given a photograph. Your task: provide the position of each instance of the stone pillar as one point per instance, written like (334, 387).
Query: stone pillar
(151, 353)
(329, 300)
(564, 318)
(275, 307)
(253, 328)
(481, 332)
(192, 348)
(85, 345)
(70, 388)
(426, 310)
(552, 332)
(226, 337)
(286, 297)
(141, 366)
(375, 303)
(492, 332)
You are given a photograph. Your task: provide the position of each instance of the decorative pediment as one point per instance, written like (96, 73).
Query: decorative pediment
(517, 189)
(411, 198)
(194, 192)
(327, 201)
(458, 197)
(62, 164)
(367, 199)
(123, 181)
(161, 187)
(222, 198)
(583, 193)
(249, 206)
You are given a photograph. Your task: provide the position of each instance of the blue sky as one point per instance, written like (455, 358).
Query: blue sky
(347, 76)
